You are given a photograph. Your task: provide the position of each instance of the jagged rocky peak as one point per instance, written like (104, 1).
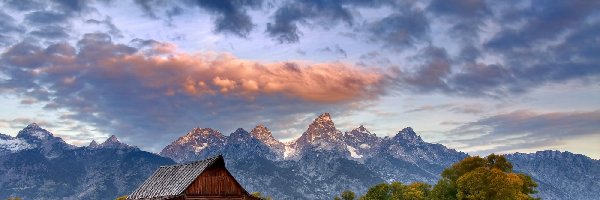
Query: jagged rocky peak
(93, 144)
(200, 136)
(203, 132)
(113, 142)
(322, 128)
(361, 131)
(262, 133)
(408, 134)
(34, 131)
(239, 135)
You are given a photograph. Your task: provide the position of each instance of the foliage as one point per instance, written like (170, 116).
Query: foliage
(346, 195)
(483, 178)
(260, 196)
(397, 190)
(473, 178)
(14, 198)
(122, 198)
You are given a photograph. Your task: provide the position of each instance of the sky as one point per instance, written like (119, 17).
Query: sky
(478, 76)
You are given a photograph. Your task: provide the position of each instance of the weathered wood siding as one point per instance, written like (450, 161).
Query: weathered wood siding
(215, 181)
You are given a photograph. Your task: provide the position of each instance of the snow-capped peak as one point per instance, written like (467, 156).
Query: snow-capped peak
(10, 144)
(34, 131)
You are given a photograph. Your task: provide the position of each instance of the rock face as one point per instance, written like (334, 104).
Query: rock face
(560, 175)
(322, 162)
(42, 166)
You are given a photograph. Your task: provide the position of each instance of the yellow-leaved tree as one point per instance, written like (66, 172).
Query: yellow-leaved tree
(486, 178)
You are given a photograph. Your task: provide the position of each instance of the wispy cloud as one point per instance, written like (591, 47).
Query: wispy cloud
(525, 129)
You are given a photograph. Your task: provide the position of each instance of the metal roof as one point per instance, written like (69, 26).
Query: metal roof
(171, 181)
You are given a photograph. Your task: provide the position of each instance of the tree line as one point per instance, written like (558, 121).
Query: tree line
(473, 178)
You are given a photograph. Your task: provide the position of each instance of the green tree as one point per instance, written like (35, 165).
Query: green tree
(398, 191)
(14, 198)
(348, 195)
(483, 178)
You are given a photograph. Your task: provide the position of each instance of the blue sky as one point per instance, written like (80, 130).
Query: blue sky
(479, 76)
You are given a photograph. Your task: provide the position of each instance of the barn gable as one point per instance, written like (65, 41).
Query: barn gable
(206, 178)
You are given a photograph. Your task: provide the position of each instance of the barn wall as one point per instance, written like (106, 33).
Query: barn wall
(216, 182)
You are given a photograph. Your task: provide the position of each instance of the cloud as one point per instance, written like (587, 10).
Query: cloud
(466, 16)
(154, 90)
(323, 13)
(51, 32)
(229, 16)
(400, 30)
(107, 23)
(525, 129)
(525, 26)
(430, 76)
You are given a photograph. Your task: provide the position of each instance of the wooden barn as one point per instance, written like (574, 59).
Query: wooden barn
(200, 180)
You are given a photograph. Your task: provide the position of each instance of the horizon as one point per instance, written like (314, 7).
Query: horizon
(477, 76)
(294, 139)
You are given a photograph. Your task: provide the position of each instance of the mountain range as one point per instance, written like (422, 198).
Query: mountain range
(322, 162)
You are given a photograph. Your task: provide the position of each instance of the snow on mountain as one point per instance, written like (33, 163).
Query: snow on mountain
(560, 175)
(10, 144)
(199, 142)
(113, 143)
(362, 143)
(263, 134)
(321, 135)
(323, 161)
(48, 168)
(38, 137)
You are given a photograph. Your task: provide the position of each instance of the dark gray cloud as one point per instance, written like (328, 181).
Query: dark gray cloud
(529, 130)
(51, 32)
(465, 16)
(431, 75)
(130, 91)
(107, 23)
(45, 17)
(24, 5)
(323, 13)
(229, 16)
(400, 30)
(540, 21)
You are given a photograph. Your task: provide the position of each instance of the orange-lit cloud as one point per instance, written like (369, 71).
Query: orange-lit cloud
(162, 67)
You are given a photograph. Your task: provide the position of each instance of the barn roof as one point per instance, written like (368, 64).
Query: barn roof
(171, 181)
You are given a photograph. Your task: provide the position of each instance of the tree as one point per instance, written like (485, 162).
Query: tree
(483, 178)
(398, 191)
(121, 198)
(260, 196)
(348, 195)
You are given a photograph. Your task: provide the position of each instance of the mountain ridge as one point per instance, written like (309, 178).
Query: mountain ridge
(322, 162)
